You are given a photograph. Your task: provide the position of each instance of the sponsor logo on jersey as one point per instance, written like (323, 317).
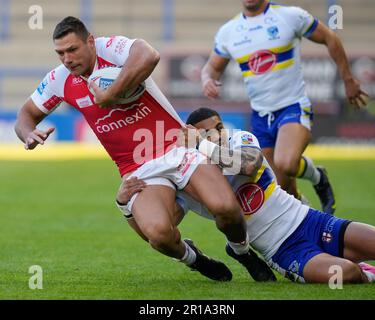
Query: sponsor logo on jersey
(110, 41)
(52, 102)
(42, 86)
(273, 33)
(84, 102)
(114, 120)
(76, 81)
(262, 61)
(250, 197)
(241, 42)
(259, 27)
(52, 75)
(121, 46)
(247, 139)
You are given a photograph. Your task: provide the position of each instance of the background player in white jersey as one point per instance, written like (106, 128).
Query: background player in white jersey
(265, 41)
(299, 242)
(164, 168)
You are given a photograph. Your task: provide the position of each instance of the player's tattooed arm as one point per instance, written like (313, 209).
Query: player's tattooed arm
(245, 161)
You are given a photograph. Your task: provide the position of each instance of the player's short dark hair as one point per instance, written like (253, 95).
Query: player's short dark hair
(69, 25)
(200, 115)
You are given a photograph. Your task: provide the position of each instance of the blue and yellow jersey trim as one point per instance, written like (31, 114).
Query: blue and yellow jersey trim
(265, 179)
(311, 28)
(284, 59)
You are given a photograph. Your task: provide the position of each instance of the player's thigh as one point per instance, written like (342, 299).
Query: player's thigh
(282, 178)
(359, 242)
(322, 267)
(210, 187)
(292, 140)
(154, 209)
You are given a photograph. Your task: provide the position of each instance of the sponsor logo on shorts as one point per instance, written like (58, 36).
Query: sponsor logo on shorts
(186, 162)
(262, 61)
(251, 198)
(327, 237)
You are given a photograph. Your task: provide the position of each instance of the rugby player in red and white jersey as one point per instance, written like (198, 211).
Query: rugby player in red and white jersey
(140, 137)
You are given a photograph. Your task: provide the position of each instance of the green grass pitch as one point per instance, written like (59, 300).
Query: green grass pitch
(61, 216)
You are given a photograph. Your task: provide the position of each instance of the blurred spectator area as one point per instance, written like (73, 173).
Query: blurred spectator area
(172, 26)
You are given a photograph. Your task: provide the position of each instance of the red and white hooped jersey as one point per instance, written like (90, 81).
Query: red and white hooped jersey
(131, 133)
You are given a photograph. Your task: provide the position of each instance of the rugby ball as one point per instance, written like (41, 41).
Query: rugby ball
(106, 76)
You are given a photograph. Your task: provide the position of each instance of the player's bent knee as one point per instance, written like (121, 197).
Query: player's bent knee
(160, 235)
(288, 166)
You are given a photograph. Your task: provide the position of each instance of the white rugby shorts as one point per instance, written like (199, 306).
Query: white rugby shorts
(173, 169)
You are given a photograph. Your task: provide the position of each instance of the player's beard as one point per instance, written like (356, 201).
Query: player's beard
(253, 5)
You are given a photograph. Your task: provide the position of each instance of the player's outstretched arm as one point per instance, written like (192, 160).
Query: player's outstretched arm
(211, 74)
(27, 119)
(141, 62)
(324, 35)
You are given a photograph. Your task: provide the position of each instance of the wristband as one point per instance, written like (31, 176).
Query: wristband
(207, 147)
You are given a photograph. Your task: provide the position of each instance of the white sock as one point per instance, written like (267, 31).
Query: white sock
(242, 247)
(370, 276)
(189, 256)
(309, 171)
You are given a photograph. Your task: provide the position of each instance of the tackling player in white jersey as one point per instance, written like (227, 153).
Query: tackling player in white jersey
(265, 42)
(299, 242)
